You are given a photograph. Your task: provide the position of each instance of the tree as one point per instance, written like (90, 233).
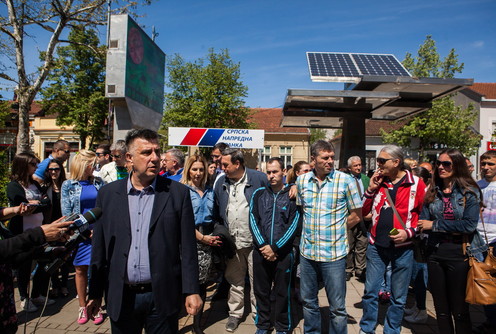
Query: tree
(77, 92)
(205, 93)
(317, 134)
(445, 124)
(28, 18)
(5, 110)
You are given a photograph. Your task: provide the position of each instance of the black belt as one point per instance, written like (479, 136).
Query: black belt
(139, 288)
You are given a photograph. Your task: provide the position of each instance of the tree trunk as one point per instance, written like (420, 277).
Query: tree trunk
(23, 142)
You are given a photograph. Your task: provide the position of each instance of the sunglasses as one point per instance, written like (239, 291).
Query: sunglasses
(99, 154)
(382, 161)
(34, 164)
(54, 169)
(213, 156)
(445, 164)
(484, 163)
(116, 156)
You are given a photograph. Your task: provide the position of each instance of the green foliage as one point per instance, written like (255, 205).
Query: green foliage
(4, 178)
(317, 134)
(76, 91)
(445, 124)
(427, 63)
(205, 93)
(4, 112)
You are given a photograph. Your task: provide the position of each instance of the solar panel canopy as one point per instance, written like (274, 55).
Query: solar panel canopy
(352, 67)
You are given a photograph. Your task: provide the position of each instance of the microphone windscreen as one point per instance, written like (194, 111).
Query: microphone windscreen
(92, 215)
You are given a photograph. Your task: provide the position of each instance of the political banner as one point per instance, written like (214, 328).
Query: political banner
(235, 138)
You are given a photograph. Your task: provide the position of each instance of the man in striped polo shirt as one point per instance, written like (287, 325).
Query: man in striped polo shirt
(330, 202)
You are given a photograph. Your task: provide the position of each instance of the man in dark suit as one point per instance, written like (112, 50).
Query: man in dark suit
(144, 249)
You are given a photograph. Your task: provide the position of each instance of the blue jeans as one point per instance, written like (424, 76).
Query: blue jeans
(334, 276)
(378, 258)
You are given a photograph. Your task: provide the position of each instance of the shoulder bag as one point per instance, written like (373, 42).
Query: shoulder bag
(419, 245)
(481, 280)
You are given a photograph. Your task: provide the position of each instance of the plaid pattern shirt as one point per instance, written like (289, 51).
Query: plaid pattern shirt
(325, 212)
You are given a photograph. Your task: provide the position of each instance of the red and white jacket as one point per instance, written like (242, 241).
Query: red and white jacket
(409, 200)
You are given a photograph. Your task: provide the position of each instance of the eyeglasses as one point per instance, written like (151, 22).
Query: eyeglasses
(487, 163)
(382, 161)
(117, 156)
(445, 164)
(54, 169)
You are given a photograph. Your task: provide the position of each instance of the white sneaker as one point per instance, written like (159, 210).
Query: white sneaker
(417, 318)
(28, 306)
(410, 310)
(40, 300)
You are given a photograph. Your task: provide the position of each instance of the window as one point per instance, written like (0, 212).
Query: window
(286, 154)
(266, 153)
(370, 162)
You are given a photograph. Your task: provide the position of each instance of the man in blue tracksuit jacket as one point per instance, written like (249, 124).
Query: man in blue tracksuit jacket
(274, 223)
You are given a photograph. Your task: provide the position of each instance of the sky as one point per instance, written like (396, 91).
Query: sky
(270, 38)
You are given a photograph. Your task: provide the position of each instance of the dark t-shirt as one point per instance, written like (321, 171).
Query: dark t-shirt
(385, 223)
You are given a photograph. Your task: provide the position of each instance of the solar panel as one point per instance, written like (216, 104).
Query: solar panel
(351, 67)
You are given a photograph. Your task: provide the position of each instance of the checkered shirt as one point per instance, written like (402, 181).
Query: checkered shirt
(325, 212)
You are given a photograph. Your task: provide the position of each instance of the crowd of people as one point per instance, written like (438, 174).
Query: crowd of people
(172, 224)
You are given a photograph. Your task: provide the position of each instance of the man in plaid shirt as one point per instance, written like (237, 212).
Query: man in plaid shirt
(330, 202)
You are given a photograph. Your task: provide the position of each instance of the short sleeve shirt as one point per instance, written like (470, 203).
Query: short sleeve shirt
(326, 208)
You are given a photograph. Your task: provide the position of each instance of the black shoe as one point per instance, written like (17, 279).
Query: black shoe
(361, 278)
(348, 276)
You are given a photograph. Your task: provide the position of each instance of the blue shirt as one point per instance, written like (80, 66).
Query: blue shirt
(42, 166)
(140, 212)
(176, 177)
(203, 206)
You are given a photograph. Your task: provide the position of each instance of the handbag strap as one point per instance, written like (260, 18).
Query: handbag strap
(483, 225)
(391, 204)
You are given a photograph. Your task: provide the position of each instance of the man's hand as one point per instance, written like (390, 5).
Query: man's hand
(93, 307)
(56, 230)
(268, 253)
(193, 304)
(400, 237)
(354, 218)
(375, 181)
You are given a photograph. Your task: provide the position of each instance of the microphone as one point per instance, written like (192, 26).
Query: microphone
(82, 222)
(80, 227)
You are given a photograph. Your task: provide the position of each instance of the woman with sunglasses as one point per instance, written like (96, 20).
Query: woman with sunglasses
(78, 195)
(450, 216)
(53, 178)
(394, 197)
(24, 189)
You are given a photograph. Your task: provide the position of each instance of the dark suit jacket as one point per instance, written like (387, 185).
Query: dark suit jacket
(171, 243)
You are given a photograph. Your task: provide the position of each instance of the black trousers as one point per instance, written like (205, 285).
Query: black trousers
(138, 312)
(272, 285)
(448, 270)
